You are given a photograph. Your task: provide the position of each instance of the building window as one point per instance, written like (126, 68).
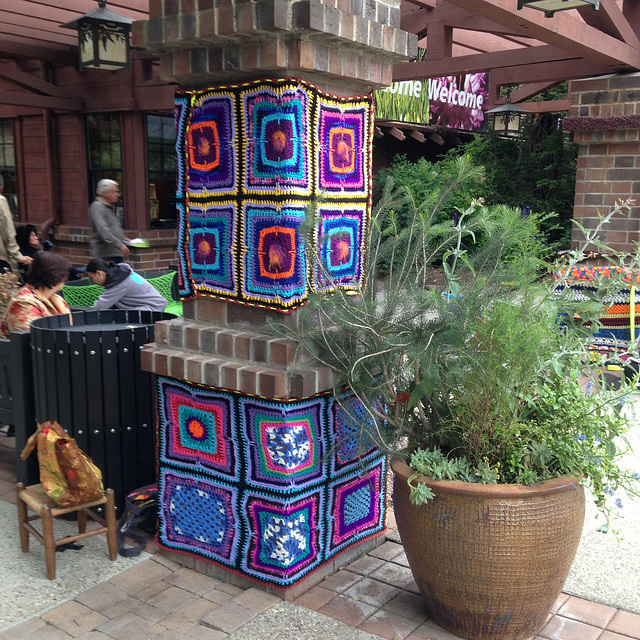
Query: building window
(161, 160)
(104, 151)
(8, 164)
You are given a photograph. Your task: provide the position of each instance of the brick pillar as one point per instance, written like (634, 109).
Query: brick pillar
(262, 475)
(605, 120)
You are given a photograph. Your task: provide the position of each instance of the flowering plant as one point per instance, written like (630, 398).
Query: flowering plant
(480, 374)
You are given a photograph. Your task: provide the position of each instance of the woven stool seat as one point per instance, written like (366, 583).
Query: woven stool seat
(45, 509)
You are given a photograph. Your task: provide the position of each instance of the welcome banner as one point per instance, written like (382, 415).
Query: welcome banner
(455, 102)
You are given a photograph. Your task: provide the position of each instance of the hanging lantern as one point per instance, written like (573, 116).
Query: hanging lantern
(549, 7)
(507, 118)
(103, 39)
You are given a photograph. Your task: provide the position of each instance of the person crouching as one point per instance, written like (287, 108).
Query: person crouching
(123, 288)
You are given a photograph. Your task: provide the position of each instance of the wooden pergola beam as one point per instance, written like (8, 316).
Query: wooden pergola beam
(562, 31)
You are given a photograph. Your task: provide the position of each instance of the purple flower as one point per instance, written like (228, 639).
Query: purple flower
(619, 503)
(582, 437)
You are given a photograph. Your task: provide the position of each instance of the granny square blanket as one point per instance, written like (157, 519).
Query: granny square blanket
(256, 161)
(270, 490)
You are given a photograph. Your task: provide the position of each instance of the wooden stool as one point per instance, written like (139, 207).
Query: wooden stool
(36, 498)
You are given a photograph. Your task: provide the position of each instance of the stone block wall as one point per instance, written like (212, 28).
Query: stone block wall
(605, 121)
(350, 42)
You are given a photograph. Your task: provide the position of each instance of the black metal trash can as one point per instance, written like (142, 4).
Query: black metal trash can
(87, 376)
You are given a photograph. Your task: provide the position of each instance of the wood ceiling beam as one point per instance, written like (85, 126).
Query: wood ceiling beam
(573, 69)
(36, 101)
(27, 81)
(80, 7)
(476, 63)
(562, 31)
(528, 91)
(414, 20)
(610, 20)
(14, 48)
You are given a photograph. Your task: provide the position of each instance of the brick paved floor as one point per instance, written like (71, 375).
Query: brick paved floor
(375, 594)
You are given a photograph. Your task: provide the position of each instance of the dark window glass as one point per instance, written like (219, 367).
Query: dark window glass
(161, 161)
(104, 152)
(8, 164)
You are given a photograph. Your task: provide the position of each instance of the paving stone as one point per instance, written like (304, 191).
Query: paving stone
(152, 590)
(93, 635)
(139, 629)
(256, 599)
(231, 589)
(172, 599)
(347, 610)
(74, 618)
(315, 598)
(200, 632)
(168, 563)
(408, 605)
(559, 628)
(49, 633)
(412, 587)
(625, 623)
(177, 623)
(365, 565)
(194, 611)
(431, 632)
(218, 596)
(24, 630)
(228, 618)
(340, 581)
(118, 622)
(592, 613)
(387, 551)
(401, 559)
(146, 610)
(142, 575)
(560, 600)
(193, 581)
(101, 597)
(393, 574)
(372, 592)
(389, 625)
(609, 635)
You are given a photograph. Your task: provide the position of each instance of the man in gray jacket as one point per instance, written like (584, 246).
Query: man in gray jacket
(105, 235)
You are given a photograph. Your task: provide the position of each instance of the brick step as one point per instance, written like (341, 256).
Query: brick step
(236, 375)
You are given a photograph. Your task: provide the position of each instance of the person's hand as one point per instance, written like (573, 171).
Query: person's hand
(124, 250)
(26, 260)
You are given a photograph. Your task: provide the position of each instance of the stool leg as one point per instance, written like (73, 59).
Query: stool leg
(82, 520)
(22, 518)
(49, 542)
(110, 519)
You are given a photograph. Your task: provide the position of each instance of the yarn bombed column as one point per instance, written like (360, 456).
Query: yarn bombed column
(263, 473)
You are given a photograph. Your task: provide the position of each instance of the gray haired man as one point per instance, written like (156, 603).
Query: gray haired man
(9, 250)
(106, 238)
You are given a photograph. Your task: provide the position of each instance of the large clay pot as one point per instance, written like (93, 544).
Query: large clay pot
(490, 560)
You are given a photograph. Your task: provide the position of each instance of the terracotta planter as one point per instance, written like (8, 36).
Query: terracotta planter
(490, 560)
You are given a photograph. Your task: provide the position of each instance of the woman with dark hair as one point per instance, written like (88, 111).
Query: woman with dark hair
(38, 298)
(123, 288)
(29, 243)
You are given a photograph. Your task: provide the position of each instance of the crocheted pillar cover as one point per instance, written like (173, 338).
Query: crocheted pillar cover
(254, 160)
(268, 489)
(614, 334)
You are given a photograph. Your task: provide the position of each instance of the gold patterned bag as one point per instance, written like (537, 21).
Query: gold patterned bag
(67, 474)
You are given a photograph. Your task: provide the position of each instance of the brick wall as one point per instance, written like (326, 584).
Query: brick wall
(73, 244)
(605, 121)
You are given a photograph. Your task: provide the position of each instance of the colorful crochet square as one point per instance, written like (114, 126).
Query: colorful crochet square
(340, 236)
(211, 145)
(211, 247)
(273, 256)
(357, 506)
(291, 487)
(343, 163)
(198, 513)
(351, 444)
(277, 134)
(270, 148)
(284, 543)
(196, 428)
(285, 444)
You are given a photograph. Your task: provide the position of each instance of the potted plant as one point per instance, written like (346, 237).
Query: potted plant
(476, 379)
